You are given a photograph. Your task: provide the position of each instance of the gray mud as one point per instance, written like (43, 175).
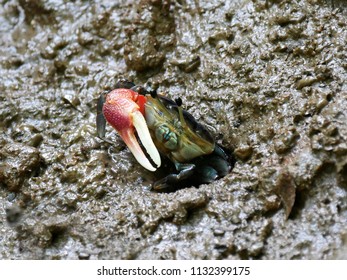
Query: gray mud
(267, 77)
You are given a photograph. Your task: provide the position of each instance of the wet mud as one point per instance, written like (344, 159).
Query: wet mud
(268, 78)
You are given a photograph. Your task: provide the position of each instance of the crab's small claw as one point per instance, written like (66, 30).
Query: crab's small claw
(123, 109)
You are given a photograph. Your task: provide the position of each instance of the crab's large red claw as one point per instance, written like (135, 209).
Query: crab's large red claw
(123, 109)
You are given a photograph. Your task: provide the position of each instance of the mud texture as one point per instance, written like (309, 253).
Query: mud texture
(267, 77)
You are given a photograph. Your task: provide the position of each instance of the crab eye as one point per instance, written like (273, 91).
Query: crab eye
(167, 137)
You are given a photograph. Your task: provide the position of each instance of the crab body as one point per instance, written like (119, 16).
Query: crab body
(180, 138)
(162, 125)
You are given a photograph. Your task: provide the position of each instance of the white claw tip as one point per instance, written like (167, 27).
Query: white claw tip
(140, 125)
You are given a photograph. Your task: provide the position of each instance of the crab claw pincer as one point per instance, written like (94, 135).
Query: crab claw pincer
(123, 110)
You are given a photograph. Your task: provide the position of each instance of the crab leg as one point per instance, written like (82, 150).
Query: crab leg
(122, 110)
(100, 119)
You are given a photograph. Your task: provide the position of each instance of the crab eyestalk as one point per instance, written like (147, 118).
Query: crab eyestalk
(123, 109)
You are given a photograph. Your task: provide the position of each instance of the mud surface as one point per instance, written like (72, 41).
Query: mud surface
(267, 77)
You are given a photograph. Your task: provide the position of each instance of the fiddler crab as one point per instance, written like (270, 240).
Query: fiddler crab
(163, 127)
